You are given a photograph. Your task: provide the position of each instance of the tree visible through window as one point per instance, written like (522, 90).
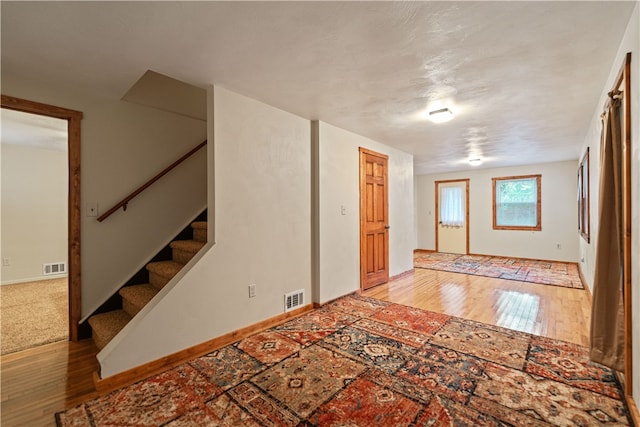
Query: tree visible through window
(516, 203)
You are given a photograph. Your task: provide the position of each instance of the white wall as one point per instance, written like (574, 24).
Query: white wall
(339, 234)
(123, 145)
(630, 43)
(34, 211)
(559, 213)
(263, 236)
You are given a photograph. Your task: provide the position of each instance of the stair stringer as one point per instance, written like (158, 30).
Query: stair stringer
(138, 319)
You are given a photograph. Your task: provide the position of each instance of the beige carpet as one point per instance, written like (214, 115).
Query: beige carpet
(33, 313)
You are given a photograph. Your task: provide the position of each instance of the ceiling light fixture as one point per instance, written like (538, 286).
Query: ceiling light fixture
(475, 162)
(440, 116)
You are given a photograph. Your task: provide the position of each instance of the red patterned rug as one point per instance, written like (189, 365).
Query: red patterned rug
(364, 362)
(555, 273)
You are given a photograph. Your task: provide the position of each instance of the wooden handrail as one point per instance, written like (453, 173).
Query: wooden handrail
(123, 203)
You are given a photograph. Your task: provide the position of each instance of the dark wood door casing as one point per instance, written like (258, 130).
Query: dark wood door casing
(73, 119)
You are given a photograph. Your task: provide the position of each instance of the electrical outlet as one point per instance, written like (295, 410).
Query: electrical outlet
(6, 262)
(252, 290)
(558, 246)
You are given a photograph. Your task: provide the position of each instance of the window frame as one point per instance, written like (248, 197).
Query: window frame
(538, 226)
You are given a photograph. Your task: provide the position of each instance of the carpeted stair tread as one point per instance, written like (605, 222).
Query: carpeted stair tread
(105, 326)
(165, 268)
(183, 250)
(137, 296)
(199, 224)
(161, 272)
(199, 231)
(187, 245)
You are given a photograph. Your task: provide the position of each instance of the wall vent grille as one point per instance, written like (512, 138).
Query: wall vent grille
(54, 268)
(293, 300)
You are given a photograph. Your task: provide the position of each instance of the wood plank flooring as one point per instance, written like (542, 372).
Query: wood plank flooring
(39, 382)
(551, 311)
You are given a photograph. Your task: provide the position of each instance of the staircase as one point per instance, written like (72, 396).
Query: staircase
(105, 326)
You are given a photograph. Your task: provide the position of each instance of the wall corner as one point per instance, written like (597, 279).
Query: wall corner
(315, 211)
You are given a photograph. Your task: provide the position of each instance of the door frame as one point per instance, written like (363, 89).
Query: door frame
(362, 152)
(466, 211)
(73, 119)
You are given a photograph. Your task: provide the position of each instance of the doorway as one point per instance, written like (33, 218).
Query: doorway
(374, 219)
(73, 119)
(34, 230)
(452, 216)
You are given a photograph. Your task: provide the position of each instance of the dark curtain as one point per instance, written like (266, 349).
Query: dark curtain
(607, 312)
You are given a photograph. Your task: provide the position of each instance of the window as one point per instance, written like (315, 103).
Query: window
(451, 207)
(516, 203)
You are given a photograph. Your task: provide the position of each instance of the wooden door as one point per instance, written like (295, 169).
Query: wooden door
(452, 239)
(374, 219)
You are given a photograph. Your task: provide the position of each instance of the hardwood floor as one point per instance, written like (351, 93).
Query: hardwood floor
(551, 311)
(39, 382)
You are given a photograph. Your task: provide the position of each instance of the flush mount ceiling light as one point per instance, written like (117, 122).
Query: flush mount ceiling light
(440, 116)
(475, 162)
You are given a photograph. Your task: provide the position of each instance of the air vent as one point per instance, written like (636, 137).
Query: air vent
(54, 268)
(293, 300)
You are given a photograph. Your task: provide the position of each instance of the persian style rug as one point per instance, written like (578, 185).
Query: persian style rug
(555, 273)
(364, 362)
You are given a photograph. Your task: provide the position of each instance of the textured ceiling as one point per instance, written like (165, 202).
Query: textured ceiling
(522, 78)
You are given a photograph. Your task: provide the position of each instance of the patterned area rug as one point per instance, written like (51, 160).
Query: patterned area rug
(364, 362)
(525, 270)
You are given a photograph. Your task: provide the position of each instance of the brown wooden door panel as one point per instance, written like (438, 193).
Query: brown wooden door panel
(370, 268)
(382, 250)
(374, 212)
(370, 210)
